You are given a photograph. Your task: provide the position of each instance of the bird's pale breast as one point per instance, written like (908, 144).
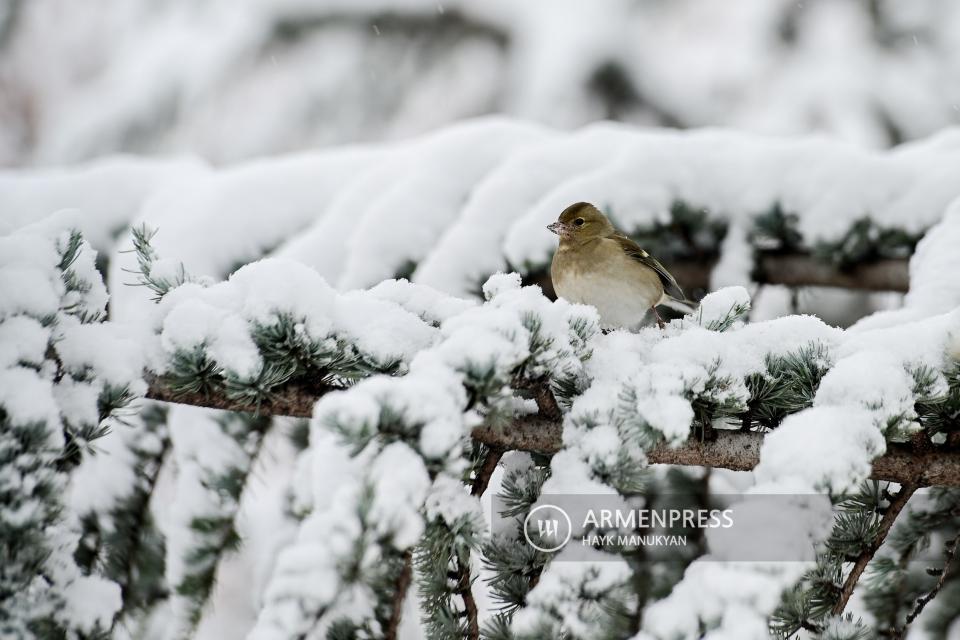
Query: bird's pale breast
(619, 287)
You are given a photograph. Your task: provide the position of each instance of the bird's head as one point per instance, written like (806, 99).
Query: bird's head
(581, 222)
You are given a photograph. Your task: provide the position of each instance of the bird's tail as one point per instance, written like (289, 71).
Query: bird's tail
(683, 306)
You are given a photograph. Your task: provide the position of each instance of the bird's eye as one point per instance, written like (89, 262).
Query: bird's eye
(578, 222)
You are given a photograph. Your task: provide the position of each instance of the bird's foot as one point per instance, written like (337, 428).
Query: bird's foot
(660, 322)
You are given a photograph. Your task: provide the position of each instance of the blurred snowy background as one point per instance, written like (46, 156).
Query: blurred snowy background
(231, 80)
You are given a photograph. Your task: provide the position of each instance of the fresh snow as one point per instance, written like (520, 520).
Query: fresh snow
(258, 239)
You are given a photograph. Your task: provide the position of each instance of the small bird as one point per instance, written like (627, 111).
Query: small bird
(597, 265)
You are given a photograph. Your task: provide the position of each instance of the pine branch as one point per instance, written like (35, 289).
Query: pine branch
(400, 595)
(443, 571)
(485, 472)
(950, 550)
(893, 583)
(465, 591)
(548, 410)
(896, 506)
(125, 563)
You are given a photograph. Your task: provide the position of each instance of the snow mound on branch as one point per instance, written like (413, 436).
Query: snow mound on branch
(220, 220)
(22, 339)
(500, 197)
(567, 595)
(91, 602)
(427, 303)
(718, 305)
(194, 324)
(727, 596)
(26, 398)
(827, 447)
(50, 290)
(323, 244)
(879, 382)
(449, 503)
(223, 318)
(306, 578)
(107, 192)
(420, 206)
(398, 497)
(428, 396)
(109, 352)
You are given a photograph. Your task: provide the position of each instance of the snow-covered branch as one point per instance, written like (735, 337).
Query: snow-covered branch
(932, 465)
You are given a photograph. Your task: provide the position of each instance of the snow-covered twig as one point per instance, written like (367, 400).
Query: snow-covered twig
(485, 472)
(400, 594)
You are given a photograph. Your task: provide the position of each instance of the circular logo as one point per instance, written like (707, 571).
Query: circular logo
(549, 527)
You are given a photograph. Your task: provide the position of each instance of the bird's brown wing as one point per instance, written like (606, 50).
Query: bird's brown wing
(632, 249)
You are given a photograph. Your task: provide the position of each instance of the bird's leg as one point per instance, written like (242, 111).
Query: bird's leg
(657, 316)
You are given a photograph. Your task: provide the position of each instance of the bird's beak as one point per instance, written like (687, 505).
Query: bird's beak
(557, 227)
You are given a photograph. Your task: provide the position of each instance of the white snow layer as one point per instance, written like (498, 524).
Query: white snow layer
(482, 220)
(108, 192)
(363, 214)
(220, 318)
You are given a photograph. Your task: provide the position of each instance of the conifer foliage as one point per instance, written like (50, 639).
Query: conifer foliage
(65, 379)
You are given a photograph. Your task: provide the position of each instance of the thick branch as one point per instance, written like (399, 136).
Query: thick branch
(547, 404)
(792, 270)
(800, 270)
(735, 450)
(739, 451)
(290, 400)
(896, 506)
